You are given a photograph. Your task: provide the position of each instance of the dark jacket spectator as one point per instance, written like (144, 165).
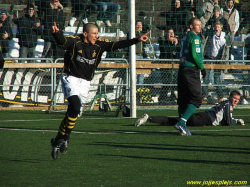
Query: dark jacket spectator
(28, 30)
(215, 18)
(85, 7)
(29, 27)
(207, 10)
(140, 47)
(169, 46)
(53, 15)
(1, 59)
(191, 9)
(5, 33)
(177, 17)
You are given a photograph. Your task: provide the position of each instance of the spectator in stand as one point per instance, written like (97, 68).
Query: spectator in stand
(217, 42)
(169, 45)
(207, 11)
(215, 51)
(191, 9)
(238, 4)
(177, 17)
(53, 13)
(29, 27)
(187, 30)
(82, 9)
(231, 20)
(107, 10)
(5, 33)
(169, 49)
(44, 4)
(1, 58)
(245, 24)
(210, 24)
(140, 48)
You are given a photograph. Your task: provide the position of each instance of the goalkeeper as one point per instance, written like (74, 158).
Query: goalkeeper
(220, 114)
(188, 81)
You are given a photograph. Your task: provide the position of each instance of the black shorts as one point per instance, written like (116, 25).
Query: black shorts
(189, 87)
(199, 119)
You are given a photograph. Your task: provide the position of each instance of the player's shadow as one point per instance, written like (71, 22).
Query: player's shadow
(170, 147)
(217, 135)
(202, 161)
(34, 161)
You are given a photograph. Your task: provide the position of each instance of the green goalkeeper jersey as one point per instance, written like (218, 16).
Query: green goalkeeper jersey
(191, 51)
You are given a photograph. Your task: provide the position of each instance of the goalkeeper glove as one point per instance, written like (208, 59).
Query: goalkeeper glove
(240, 122)
(204, 73)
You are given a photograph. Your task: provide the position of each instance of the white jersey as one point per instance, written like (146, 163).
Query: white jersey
(216, 46)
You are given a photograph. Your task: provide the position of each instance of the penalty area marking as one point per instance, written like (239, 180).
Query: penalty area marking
(125, 132)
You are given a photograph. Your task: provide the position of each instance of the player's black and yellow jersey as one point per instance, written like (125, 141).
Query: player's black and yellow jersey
(81, 59)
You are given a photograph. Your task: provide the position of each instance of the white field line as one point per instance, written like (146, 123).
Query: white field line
(82, 118)
(20, 120)
(125, 132)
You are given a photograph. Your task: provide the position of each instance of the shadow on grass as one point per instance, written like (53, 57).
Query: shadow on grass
(170, 147)
(218, 135)
(21, 160)
(178, 160)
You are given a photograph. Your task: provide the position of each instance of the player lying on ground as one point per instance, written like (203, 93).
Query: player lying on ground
(81, 59)
(220, 114)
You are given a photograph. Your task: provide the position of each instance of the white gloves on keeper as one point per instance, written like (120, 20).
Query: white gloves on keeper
(240, 122)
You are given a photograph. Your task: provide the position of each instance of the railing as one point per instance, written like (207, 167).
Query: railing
(37, 84)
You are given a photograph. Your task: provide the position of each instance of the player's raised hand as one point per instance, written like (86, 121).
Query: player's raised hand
(54, 28)
(144, 37)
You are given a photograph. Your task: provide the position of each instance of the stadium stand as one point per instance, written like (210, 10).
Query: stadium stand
(153, 14)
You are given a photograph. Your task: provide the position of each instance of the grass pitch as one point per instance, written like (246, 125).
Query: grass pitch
(112, 152)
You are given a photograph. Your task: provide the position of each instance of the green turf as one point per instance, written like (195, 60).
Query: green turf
(113, 152)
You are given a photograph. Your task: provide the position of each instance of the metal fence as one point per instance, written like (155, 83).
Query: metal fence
(38, 84)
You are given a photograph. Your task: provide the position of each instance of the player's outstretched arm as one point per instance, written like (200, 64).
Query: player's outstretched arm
(144, 37)
(111, 46)
(58, 35)
(54, 28)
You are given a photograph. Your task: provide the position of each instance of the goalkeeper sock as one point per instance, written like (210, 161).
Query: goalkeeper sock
(188, 112)
(181, 111)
